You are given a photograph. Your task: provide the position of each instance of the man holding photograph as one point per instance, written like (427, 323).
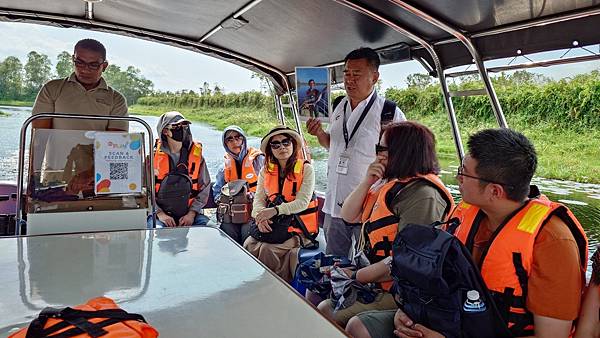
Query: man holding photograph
(353, 131)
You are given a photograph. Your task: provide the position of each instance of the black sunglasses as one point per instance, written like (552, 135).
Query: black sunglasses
(178, 126)
(91, 65)
(231, 138)
(460, 173)
(379, 148)
(276, 144)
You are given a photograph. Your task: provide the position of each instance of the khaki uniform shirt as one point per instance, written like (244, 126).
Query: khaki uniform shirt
(67, 96)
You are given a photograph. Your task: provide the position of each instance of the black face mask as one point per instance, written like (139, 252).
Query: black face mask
(177, 134)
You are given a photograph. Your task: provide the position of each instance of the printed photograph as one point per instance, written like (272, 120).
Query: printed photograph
(313, 87)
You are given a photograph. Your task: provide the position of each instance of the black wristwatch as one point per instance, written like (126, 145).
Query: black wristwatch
(276, 210)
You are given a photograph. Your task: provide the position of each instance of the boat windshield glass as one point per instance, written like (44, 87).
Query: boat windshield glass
(69, 170)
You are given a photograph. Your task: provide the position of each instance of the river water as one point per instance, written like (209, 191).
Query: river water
(582, 198)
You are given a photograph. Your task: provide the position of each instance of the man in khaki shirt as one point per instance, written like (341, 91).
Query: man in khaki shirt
(84, 92)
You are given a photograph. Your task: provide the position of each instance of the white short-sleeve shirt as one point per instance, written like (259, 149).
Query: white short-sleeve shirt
(361, 148)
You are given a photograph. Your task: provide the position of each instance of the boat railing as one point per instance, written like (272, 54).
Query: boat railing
(72, 206)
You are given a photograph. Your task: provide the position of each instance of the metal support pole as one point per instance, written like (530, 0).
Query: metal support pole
(451, 114)
(294, 109)
(22, 141)
(489, 88)
(470, 47)
(89, 10)
(279, 107)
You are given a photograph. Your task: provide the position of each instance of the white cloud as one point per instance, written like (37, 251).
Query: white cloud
(170, 68)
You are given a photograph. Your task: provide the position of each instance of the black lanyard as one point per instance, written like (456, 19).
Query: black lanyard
(360, 119)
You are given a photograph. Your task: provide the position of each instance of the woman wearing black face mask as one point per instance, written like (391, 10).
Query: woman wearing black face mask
(181, 175)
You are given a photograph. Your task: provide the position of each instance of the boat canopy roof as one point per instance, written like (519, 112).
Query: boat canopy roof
(272, 37)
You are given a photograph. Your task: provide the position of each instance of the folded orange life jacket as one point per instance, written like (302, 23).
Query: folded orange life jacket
(99, 317)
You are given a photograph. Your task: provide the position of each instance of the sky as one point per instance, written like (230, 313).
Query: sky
(171, 68)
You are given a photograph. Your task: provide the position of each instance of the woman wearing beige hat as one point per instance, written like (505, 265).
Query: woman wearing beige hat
(285, 208)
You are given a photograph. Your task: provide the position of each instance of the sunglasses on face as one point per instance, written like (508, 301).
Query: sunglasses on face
(231, 138)
(90, 65)
(276, 144)
(178, 126)
(379, 148)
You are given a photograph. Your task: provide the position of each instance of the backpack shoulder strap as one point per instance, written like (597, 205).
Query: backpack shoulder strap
(183, 160)
(388, 112)
(337, 100)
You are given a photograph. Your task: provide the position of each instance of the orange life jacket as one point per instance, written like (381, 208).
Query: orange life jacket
(247, 173)
(506, 264)
(162, 167)
(290, 187)
(380, 225)
(131, 327)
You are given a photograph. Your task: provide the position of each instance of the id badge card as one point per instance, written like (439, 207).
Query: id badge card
(342, 167)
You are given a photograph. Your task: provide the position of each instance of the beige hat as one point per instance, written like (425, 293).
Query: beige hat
(280, 129)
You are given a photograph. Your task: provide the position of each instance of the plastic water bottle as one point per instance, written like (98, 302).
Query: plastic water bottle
(473, 302)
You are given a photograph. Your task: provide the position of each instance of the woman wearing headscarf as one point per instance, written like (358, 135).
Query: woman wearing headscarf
(240, 162)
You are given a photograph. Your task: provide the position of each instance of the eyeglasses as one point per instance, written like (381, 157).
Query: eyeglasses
(461, 173)
(379, 148)
(276, 144)
(231, 138)
(90, 65)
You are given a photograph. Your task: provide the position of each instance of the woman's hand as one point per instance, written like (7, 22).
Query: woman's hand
(187, 219)
(375, 171)
(265, 214)
(264, 226)
(405, 327)
(168, 220)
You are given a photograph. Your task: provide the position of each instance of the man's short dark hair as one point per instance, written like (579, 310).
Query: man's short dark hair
(505, 156)
(93, 45)
(364, 53)
(411, 150)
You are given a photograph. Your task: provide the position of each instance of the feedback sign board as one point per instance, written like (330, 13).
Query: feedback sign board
(118, 163)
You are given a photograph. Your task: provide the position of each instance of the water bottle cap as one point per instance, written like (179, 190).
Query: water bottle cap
(472, 295)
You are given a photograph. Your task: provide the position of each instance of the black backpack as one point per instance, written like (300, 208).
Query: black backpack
(387, 113)
(176, 188)
(432, 273)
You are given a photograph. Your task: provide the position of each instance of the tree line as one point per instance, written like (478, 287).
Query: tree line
(22, 82)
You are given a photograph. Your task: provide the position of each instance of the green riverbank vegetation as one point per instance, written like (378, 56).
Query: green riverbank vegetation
(561, 117)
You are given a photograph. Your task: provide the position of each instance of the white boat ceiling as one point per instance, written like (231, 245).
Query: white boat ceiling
(274, 36)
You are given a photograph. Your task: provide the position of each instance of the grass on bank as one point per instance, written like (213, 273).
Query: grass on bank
(15, 103)
(255, 121)
(566, 154)
(563, 153)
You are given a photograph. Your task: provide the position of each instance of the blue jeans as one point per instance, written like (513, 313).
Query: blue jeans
(199, 221)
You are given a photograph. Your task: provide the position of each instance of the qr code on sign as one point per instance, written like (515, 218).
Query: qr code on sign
(118, 171)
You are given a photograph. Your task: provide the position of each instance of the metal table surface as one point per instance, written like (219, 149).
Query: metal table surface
(186, 282)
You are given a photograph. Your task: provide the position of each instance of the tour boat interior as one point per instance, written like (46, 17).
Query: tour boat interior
(197, 281)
